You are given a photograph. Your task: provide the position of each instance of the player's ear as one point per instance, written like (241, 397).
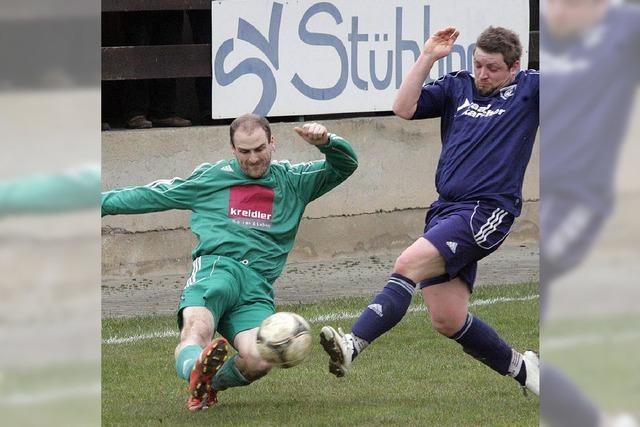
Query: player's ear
(515, 68)
(234, 149)
(272, 143)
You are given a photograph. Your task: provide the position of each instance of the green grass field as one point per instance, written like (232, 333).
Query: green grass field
(409, 377)
(596, 353)
(64, 394)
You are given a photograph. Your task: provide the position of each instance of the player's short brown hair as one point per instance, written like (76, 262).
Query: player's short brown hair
(248, 123)
(501, 40)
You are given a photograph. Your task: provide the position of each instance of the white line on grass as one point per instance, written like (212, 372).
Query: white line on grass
(329, 317)
(560, 343)
(43, 396)
(135, 338)
(343, 315)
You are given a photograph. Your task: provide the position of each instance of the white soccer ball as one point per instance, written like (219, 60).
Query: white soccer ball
(284, 339)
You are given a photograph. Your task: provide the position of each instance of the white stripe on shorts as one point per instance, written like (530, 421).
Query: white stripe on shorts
(195, 267)
(490, 221)
(213, 268)
(491, 229)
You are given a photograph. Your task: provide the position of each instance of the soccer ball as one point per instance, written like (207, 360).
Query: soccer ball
(284, 339)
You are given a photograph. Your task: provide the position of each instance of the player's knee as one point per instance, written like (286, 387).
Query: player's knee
(405, 265)
(411, 263)
(446, 323)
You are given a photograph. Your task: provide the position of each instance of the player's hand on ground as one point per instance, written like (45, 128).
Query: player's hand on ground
(440, 43)
(313, 133)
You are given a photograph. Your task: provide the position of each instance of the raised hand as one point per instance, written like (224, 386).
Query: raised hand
(440, 43)
(313, 133)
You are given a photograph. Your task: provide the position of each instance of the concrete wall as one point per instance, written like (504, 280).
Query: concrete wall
(380, 208)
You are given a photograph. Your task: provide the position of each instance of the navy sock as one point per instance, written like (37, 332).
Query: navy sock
(563, 403)
(521, 376)
(386, 309)
(482, 342)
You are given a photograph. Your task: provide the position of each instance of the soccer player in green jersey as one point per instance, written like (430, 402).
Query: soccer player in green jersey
(61, 191)
(245, 213)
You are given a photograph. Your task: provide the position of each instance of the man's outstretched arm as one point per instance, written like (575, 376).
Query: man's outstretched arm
(317, 178)
(162, 195)
(62, 191)
(438, 46)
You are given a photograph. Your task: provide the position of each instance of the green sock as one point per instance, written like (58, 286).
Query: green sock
(229, 376)
(186, 360)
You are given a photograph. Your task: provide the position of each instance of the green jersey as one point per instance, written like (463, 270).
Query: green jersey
(253, 221)
(63, 191)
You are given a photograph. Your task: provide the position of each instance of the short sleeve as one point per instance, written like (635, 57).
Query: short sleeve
(432, 100)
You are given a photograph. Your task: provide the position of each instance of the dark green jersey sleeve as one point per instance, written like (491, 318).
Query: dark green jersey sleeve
(162, 195)
(316, 178)
(62, 191)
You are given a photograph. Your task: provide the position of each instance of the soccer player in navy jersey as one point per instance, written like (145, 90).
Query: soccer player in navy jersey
(591, 55)
(489, 120)
(590, 51)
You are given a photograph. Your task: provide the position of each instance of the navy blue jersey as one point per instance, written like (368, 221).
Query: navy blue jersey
(589, 83)
(486, 140)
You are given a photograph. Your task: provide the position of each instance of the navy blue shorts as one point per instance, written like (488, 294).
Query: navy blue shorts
(464, 233)
(568, 229)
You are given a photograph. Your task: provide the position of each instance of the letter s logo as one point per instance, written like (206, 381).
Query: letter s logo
(258, 67)
(323, 39)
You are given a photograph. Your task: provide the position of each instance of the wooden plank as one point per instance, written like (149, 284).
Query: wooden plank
(156, 62)
(193, 60)
(147, 5)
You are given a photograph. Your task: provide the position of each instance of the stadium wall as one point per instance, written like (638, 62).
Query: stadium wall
(380, 208)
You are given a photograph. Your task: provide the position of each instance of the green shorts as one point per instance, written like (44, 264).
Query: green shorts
(238, 297)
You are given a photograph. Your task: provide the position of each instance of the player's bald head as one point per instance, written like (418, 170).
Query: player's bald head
(249, 123)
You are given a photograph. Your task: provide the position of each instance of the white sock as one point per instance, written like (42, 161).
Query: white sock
(357, 343)
(516, 363)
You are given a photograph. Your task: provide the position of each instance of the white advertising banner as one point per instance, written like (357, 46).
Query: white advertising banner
(282, 58)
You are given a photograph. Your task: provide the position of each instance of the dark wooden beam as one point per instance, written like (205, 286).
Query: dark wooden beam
(146, 5)
(534, 49)
(156, 62)
(193, 60)
(534, 15)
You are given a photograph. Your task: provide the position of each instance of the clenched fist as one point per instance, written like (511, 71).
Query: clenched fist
(313, 133)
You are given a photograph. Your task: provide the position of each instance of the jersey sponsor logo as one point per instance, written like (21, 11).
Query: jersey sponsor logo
(453, 246)
(248, 213)
(251, 206)
(564, 64)
(508, 91)
(465, 104)
(227, 168)
(474, 110)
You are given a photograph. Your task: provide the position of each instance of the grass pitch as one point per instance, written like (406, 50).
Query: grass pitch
(411, 376)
